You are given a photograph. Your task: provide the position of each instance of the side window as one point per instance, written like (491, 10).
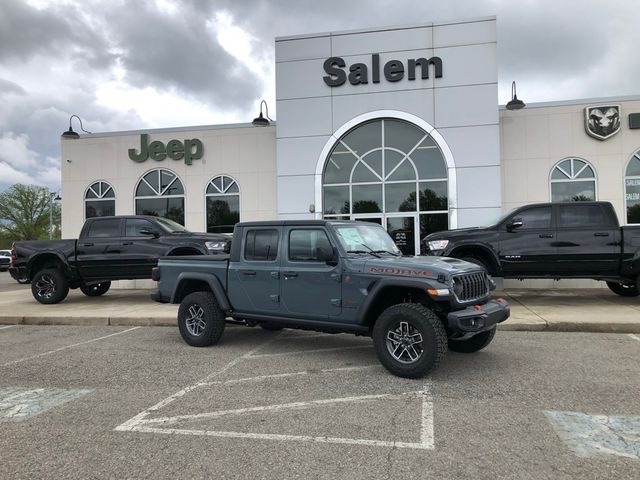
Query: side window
(582, 216)
(304, 245)
(535, 218)
(261, 245)
(105, 228)
(134, 225)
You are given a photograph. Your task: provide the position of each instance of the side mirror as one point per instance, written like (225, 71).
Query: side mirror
(148, 231)
(513, 224)
(330, 257)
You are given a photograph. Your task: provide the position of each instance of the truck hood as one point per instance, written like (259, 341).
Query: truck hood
(419, 267)
(204, 236)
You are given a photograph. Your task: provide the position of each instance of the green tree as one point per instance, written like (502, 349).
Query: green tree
(24, 213)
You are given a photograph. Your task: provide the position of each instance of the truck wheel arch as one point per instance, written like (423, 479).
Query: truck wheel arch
(198, 282)
(46, 260)
(184, 251)
(485, 255)
(390, 291)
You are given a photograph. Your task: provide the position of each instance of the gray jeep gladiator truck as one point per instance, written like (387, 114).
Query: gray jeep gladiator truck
(335, 277)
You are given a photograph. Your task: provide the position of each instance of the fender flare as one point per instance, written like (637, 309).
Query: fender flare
(380, 285)
(179, 247)
(209, 279)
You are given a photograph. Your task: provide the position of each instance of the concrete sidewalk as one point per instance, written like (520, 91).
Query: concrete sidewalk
(586, 310)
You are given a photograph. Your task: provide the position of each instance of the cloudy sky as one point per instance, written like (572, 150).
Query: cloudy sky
(133, 64)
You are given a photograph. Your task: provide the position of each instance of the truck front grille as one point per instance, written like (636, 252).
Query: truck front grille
(471, 286)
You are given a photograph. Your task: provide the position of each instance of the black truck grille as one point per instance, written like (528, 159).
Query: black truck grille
(471, 286)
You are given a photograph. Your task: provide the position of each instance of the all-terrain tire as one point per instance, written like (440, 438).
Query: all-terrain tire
(396, 356)
(473, 344)
(624, 289)
(49, 286)
(95, 290)
(201, 321)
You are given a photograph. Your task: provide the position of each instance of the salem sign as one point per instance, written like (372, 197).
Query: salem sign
(393, 70)
(190, 149)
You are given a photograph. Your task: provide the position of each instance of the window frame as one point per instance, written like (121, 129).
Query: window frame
(297, 229)
(100, 198)
(625, 177)
(221, 194)
(160, 195)
(572, 178)
(248, 230)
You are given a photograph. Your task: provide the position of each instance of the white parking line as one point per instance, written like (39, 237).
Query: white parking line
(50, 352)
(635, 337)
(8, 326)
(298, 352)
(130, 424)
(291, 374)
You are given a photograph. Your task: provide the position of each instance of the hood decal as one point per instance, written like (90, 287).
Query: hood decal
(407, 272)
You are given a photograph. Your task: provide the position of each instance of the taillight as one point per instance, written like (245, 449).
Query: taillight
(14, 256)
(155, 274)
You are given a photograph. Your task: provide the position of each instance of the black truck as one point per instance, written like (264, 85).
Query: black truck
(551, 240)
(109, 248)
(335, 276)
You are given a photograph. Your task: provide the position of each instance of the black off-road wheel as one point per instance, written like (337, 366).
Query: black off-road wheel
(201, 321)
(49, 286)
(96, 289)
(473, 344)
(624, 289)
(409, 339)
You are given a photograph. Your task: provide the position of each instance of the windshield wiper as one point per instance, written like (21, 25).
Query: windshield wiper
(387, 251)
(369, 252)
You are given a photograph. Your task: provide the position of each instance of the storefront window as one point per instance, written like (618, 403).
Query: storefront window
(160, 193)
(223, 204)
(389, 172)
(632, 189)
(572, 180)
(99, 200)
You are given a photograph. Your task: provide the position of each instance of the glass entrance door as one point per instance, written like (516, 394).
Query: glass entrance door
(402, 229)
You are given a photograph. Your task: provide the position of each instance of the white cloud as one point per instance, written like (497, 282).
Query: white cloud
(20, 164)
(14, 151)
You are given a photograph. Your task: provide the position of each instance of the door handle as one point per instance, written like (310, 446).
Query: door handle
(601, 234)
(248, 272)
(546, 235)
(87, 244)
(289, 274)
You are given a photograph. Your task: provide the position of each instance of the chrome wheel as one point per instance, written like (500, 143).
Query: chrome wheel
(404, 343)
(45, 287)
(195, 322)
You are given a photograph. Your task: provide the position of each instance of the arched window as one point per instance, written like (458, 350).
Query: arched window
(632, 188)
(572, 180)
(99, 200)
(390, 172)
(223, 204)
(160, 193)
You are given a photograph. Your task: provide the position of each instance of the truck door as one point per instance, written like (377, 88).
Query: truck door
(254, 281)
(140, 247)
(527, 242)
(99, 251)
(310, 288)
(588, 244)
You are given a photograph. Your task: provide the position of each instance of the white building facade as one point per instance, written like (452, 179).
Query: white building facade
(398, 126)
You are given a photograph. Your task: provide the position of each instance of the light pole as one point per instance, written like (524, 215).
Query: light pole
(52, 196)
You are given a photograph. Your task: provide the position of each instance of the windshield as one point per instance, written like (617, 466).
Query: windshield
(171, 226)
(365, 236)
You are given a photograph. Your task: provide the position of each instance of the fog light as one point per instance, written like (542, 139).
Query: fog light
(473, 322)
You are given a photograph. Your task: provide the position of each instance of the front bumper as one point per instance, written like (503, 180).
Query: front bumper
(478, 318)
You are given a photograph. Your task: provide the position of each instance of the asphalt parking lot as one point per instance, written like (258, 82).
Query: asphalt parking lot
(136, 402)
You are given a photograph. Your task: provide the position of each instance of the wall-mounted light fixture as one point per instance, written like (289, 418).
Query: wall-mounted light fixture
(260, 121)
(70, 134)
(515, 103)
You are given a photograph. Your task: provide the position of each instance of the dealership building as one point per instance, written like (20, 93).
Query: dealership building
(399, 126)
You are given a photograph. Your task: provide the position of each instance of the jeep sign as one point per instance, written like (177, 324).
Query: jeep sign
(190, 149)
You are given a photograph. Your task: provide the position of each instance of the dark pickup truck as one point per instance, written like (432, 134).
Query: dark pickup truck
(551, 240)
(109, 248)
(335, 276)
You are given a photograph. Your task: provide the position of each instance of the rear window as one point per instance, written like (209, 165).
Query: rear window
(582, 216)
(261, 245)
(104, 228)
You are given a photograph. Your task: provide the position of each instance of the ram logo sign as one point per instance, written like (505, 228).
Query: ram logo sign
(602, 121)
